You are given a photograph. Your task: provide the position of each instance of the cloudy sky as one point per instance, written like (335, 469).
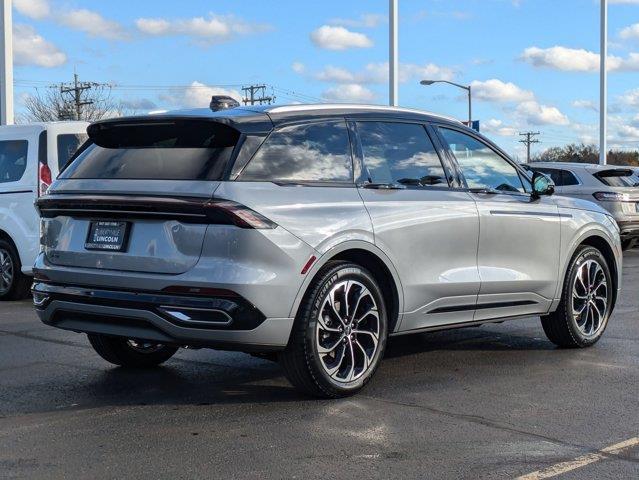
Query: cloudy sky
(533, 64)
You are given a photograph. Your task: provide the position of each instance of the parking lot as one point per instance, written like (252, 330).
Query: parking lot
(498, 401)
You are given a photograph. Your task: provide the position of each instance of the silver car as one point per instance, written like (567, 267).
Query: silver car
(615, 188)
(311, 233)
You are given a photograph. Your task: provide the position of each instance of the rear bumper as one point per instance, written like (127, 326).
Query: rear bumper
(226, 323)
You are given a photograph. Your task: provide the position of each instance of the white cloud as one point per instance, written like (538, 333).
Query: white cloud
(630, 32)
(29, 48)
(576, 59)
(210, 30)
(350, 92)
(339, 38)
(93, 24)
(562, 58)
(198, 95)
(586, 104)
(536, 114)
(298, 67)
(336, 74)
(36, 9)
(367, 20)
(630, 98)
(498, 127)
(378, 73)
(495, 90)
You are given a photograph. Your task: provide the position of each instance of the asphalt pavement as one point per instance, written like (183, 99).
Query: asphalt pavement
(498, 401)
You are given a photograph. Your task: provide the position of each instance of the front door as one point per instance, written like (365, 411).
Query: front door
(518, 255)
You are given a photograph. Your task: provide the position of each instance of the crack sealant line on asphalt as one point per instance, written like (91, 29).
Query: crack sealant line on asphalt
(612, 451)
(604, 453)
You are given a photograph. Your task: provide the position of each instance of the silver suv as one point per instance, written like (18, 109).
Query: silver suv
(311, 233)
(614, 188)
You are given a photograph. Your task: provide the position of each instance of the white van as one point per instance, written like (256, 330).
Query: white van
(30, 157)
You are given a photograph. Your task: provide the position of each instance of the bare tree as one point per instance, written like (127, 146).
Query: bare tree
(89, 104)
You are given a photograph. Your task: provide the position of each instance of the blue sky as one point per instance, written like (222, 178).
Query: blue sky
(533, 64)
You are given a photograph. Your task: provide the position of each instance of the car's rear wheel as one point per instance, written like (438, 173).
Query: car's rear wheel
(586, 303)
(339, 335)
(131, 353)
(13, 283)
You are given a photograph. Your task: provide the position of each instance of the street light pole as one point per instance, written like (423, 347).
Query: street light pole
(470, 108)
(6, 64)
(603, 84)
(463, 87)
(393, 54)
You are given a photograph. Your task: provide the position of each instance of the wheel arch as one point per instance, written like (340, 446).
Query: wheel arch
(374, 260)
(606, 247)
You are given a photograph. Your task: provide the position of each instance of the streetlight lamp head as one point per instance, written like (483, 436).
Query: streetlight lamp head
(427, 82)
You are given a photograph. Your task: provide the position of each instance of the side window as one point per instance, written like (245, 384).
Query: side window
(400, 153)
(315, 152)
(555, 175)
(68, 143)
(568, 178)
(13, 160)
(482, 167)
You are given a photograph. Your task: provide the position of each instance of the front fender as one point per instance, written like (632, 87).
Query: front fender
(577, 227)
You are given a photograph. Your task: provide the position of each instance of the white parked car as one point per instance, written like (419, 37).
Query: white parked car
(30, 158)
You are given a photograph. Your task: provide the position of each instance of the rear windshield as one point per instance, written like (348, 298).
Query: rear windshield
(618, 178)
(68, 144)
(159, 150)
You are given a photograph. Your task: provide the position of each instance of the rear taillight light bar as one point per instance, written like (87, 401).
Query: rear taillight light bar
(188, 210)
(612, 197)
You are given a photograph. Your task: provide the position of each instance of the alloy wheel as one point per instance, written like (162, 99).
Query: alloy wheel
(6, 271)
(590, 298)
(347, 332)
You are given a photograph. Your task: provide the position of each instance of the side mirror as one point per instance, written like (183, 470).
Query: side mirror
(542, 185)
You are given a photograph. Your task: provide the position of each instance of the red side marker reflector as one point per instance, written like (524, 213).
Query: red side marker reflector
(308, 264)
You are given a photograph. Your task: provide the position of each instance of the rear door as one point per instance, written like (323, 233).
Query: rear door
(131, 200)
(518, 253)
(425, 225)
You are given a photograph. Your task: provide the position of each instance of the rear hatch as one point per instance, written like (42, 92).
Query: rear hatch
(623, 186)
(138, 196)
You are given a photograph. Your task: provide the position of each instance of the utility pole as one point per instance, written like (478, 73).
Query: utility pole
(256, 94)
(603, 84)
(6, 63)
(529, 140)
(75, 89)
(393, 54)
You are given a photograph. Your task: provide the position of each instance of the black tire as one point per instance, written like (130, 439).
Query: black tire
(561, 326)
(120, 351)
(302, 362)
(18, 282)
(628, 243)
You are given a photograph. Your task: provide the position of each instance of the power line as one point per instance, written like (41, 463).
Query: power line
(528, 141)
(256, 94)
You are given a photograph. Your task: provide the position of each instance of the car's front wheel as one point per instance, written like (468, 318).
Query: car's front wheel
(586, 302)
(131, 353)
(340, 333)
